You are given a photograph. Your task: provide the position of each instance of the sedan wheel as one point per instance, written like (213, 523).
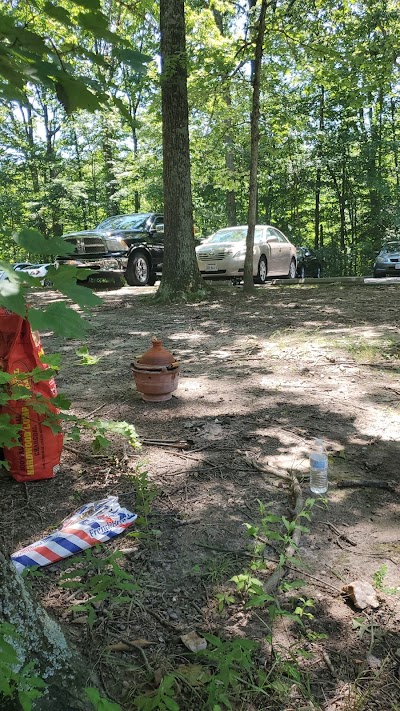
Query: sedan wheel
(302, 272)
(262, 271)
(292, 270)
(138, 270)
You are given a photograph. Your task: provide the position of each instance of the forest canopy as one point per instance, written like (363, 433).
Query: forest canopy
(328, 160)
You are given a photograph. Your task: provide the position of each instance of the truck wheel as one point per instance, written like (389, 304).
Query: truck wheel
(138, 270)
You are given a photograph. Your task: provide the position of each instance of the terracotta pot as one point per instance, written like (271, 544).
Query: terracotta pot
(156, 355)
(156, 373)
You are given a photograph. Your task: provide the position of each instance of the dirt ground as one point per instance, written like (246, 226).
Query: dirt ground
(260, 378)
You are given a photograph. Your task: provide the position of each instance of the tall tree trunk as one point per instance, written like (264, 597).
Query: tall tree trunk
(82, 200)
(111, 181)
(374, 174)
(51, 131)
(254, 146)
(317, 218)
(230, 195)
(395, 143)
(41, 639)
(27, 119)
(180, 272)
(133, 106)
(340, 191)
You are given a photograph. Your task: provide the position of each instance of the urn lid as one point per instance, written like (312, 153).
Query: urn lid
(156, 355)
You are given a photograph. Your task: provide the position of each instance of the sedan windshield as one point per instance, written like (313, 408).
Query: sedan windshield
(125, 222)
(391, 247)
(233, 235)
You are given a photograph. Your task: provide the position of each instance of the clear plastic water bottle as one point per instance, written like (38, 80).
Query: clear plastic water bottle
(318, 468)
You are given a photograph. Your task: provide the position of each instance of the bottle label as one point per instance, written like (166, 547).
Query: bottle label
(319, 464)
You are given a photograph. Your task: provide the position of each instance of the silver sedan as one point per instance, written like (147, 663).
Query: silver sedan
(222, 255)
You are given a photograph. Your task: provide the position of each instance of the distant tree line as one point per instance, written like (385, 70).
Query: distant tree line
(328, 132)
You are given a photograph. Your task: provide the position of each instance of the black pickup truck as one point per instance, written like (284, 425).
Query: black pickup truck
(123, 245)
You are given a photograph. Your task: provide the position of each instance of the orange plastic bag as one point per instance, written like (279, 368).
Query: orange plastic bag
(38, 454)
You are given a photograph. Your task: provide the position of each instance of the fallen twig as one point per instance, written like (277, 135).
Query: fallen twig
(194, 459)
(371, 483)
(266, 469)
(223, 550)
(312, 577)
(84, 455)
(161, 619)
(338, 533)
(279, 572)
(178, 444)
(329, 663)
(133, 645)
(97, 409)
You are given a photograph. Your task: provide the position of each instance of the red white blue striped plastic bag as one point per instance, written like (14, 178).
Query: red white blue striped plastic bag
(94, 523)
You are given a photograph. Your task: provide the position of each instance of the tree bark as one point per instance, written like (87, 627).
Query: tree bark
(41, 639)
(180, 272)
(317, 218)
(254, 147)
(111, 180)
(230, 194)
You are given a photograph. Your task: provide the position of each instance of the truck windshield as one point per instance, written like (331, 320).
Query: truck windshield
(125, 222)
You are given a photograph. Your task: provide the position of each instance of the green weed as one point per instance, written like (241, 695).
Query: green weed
(217, 570)
(85, 357)
(99, 579)
(98, 701)
(224, 599)
(162, 699)
(17, 682)
(145, 493)
(378, 580)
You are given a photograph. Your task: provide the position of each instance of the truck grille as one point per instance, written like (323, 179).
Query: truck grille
(87, 245)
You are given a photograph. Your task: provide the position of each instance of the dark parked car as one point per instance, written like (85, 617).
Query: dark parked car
(387, 262)
(128, 245)
(308, 264)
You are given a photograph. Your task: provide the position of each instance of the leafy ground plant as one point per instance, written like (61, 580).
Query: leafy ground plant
(17, 682)
(145, 493)
(99, 579)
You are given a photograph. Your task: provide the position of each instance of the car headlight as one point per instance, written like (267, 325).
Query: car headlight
(241, 253)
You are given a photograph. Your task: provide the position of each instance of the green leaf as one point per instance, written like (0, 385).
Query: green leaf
(133, 57)
(170, 704)
(40, 374)
(34, 242)
(259, 600)
(8, 653)
(9, 434)
(53, 360)
(58, 317)
(79, 294)
(88, 4)
(99, 443)
(58, 13)
(73, 94)
(5, 686)
(61, 401)
(97, 24)
(12, 296)
(20, 392)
